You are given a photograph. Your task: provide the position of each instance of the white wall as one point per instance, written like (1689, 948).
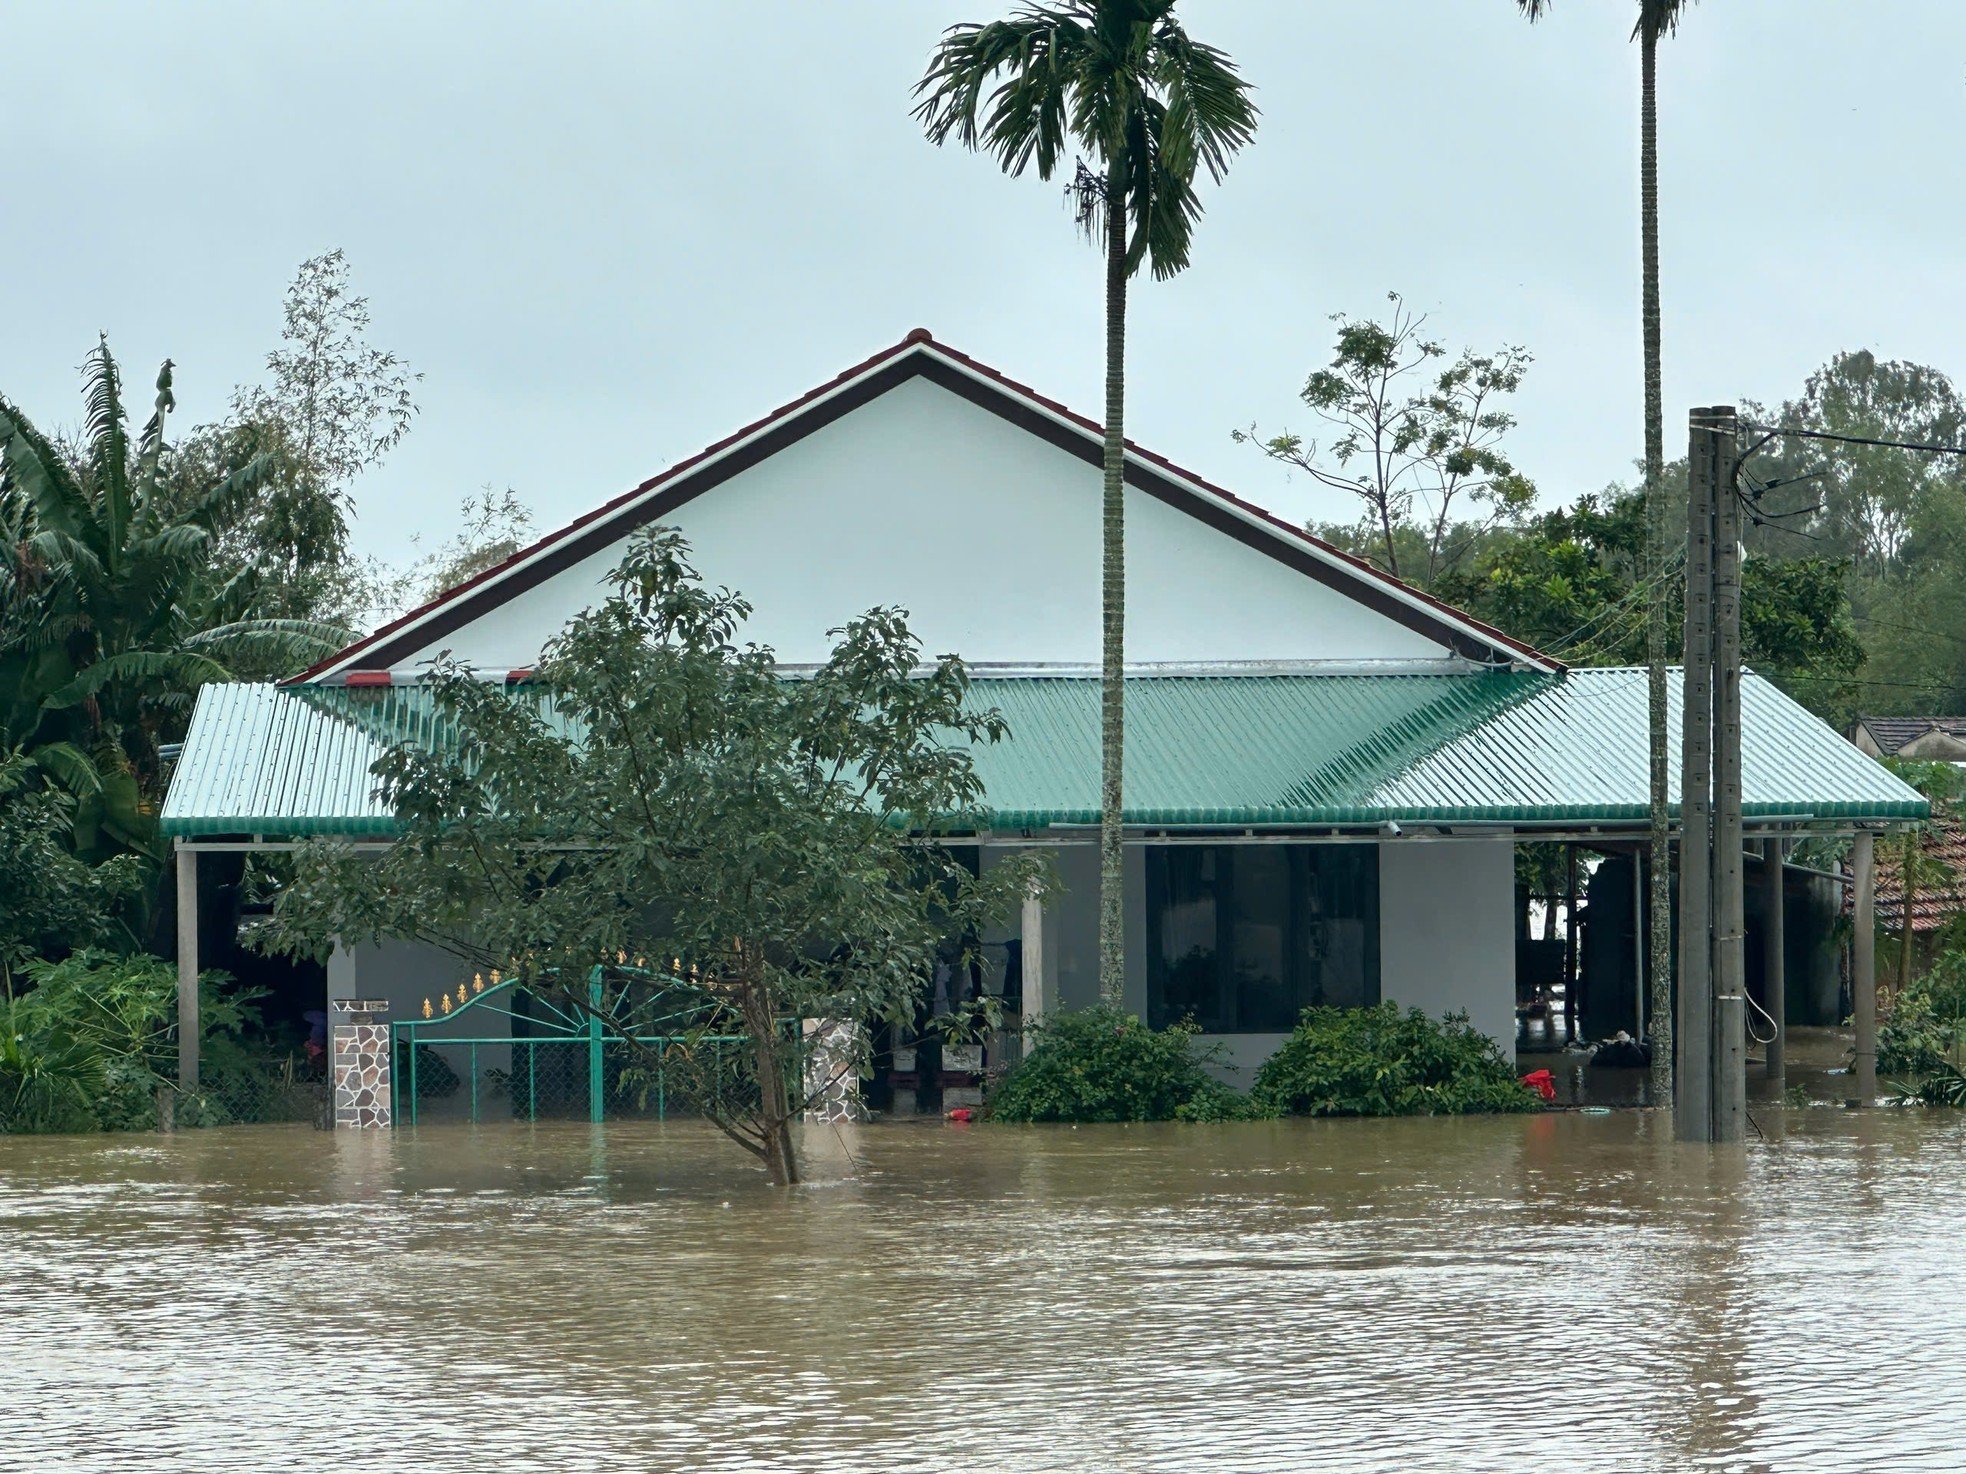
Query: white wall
(986, 534)
(1446, 930)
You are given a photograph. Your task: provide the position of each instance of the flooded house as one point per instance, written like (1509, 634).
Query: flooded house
(1328, 771)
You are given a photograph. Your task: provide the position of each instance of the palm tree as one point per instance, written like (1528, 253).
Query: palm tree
(1656, 19)
(1123, 82)
(111, 615)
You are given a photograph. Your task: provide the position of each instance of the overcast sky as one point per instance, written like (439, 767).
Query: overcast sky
(608, 235)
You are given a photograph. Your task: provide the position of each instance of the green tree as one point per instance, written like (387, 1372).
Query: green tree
(491, 527)
(112, 611)
(1122, 81)
(666, 794)
(1419, 457)
(1571, 581)
(331, 406)
(1657, 19)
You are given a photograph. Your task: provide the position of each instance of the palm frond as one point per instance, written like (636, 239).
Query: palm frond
(168, 667)
(109, 446)
(35, 480)
(150, 445)
(1041, 53)
(68, 765)
(1209, 112)
(221, 506)
(301, 639)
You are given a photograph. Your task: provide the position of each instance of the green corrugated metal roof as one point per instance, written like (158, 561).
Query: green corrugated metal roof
(1202, 750)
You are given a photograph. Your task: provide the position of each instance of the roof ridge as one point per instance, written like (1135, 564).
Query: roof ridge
(921, 340)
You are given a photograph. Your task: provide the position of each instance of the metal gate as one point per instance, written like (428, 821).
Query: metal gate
(499, 1049)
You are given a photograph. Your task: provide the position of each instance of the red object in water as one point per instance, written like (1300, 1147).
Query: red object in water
(1542, 1082)
(964, 1113)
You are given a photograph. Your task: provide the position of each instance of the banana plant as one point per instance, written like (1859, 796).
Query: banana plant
(111, 616)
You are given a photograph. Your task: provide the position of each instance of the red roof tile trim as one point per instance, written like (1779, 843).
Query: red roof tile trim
(917, 339)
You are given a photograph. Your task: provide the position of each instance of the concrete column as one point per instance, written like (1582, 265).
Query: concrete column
(832, 1071)
(1774, 973)
(187, 968)
(359, 1063)
(1036, 993)
(1863, 962)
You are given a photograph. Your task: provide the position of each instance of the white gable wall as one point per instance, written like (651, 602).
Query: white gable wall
(985, 533)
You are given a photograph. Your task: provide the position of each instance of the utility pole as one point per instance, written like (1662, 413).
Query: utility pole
(1693, 1027)
(1730, 1015)
(1710, 1098)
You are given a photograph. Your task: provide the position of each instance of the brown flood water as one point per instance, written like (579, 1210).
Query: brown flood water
(1561, 1292)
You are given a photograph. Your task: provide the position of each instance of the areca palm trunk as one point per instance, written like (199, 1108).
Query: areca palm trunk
(1660, 949)
(1112, 608)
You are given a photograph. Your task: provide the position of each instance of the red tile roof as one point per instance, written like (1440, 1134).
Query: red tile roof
(1934, 901)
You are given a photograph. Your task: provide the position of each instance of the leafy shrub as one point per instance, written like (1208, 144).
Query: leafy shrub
(1945, 1086)
(1925, 1027)
(87, 1047)
(1101, 1064)
(1381, 1062)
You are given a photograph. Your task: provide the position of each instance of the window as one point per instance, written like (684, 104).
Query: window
(1243, 938)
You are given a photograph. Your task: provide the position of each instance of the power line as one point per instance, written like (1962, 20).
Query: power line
(1611, 611)
(1933, 447)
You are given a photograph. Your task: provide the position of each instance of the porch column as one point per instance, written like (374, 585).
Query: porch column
(359, 1064)
(1774, 975)
(1032, 952)
(1863, 962)
(187, 967)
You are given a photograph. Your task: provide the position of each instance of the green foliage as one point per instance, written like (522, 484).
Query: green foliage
(331, 406)
(1118, 81)
(111, 612)
(53, 901)
(1894, 522)
(1102, 1064)
(1418, 439)
(1568, 581)
(491, 527)
(1927, 1028)
(1380, 1062)
(89, 1044)
(1944, 1086)
(729, 847)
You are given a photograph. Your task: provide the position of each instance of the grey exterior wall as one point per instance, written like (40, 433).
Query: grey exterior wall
(1447, 930)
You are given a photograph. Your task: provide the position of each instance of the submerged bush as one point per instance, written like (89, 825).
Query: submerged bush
(1923, 1035)
(88, 1046)
(1381, 1062)
(1101, 1064)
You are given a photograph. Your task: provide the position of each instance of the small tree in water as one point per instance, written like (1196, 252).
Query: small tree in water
(664, 821)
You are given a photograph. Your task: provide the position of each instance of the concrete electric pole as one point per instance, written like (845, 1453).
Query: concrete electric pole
(1710, 1101)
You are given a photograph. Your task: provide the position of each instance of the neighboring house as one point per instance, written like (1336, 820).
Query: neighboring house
(1937, 899)
(1919, 739)
(1940, 892)
(1327, 770)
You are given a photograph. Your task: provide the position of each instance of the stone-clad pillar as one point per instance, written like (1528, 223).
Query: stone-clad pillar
(832, 1071)
(358, 1059)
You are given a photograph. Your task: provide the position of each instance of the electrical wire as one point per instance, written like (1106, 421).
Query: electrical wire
(1629, 597)
(1930, 446)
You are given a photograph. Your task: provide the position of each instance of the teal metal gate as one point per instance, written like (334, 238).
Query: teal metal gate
(504, 1047)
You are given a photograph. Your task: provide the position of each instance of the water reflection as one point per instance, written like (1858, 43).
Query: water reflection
(1559, 1292)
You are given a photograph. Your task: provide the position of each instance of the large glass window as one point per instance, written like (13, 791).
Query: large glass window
(1243, 938)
